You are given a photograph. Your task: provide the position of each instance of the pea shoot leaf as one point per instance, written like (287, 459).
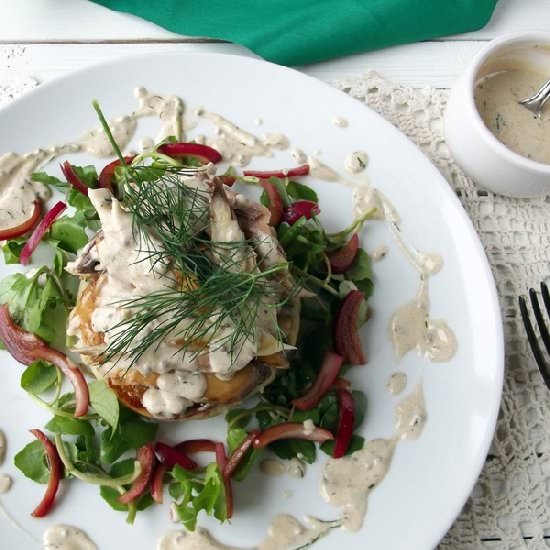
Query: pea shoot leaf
(104, 401)
(194, 493)
(38, 377)
(70, 426)
(31, 461)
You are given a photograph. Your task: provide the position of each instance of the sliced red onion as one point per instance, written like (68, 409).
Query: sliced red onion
(24, 227)
(54, 463)
(40, 231)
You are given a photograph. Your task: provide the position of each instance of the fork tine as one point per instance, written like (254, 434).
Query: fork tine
(545, 335)
(533, 343)
(545, 296)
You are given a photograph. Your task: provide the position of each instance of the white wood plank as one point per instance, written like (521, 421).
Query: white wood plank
(512, 16)
(436, 64)
(423, 64)
(55, 20)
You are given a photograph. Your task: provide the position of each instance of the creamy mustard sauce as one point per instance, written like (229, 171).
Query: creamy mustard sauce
(5, 480)
(411, 326)
(321, 171)
(17, 191)
(397, 383)
(356, 162)
(348, 481)
(379, 253)
(293, 467)
(340, 122)
(66, 537)
(235, 144)
(284, 533)
(496, 97)
(5, 483)
(298, 156)
(275, 140)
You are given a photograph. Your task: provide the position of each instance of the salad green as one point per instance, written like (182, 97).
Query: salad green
(102, 446)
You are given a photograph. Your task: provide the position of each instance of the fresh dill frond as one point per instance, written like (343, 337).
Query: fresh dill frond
(192, 317)
(208, 290)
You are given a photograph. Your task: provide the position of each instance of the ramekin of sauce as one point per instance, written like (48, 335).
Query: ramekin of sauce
(502, 145)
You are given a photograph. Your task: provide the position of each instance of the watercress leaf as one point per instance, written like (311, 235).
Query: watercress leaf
(87, 174)
(86, 214)
(299, 191)
(59, 260)
(38, 377)
(12, 250)
(264, 200)
(88, 450)
(138, 432)
(294, 448)
(356, 444)
(144, 502)
(111, 496)
(66, 402)
(52, 181)
(359, 407)
(70, 426)
(238, 418)
(246, 464)
(35, 302)
(304, 450)
(69, 234)
(132, 432)
(14, 291)
(46, 315)
(329, 412)
(361, 273)
(112, 447)
(265, 420)
(304, 243)
(315, 309)
(235, 436)
(301, 416)
(122, 468)
(280, 185)
(31, 461)
(104, 402)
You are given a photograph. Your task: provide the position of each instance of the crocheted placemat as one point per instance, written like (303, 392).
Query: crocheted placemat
(509, 507)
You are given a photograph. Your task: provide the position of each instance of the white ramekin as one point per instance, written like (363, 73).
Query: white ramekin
(479, 153)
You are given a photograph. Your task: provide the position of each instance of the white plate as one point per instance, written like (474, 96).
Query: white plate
(430, 478)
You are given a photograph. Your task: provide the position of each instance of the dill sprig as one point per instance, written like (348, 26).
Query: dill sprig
(207, 291)
(191, 317)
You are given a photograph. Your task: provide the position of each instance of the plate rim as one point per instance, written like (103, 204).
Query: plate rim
(499, 351)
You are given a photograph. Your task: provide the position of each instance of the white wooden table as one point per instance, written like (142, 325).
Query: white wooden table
(46, 39)
(49, 38)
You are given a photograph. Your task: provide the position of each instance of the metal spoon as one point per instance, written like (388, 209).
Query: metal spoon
(536, 103)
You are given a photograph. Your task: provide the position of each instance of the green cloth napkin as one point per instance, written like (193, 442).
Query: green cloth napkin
(296, 32)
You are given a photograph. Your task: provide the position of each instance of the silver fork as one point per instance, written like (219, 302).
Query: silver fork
(542, 362)
(536, 102)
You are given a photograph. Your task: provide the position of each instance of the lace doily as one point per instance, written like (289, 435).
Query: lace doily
(510, 505)
(509, 508)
